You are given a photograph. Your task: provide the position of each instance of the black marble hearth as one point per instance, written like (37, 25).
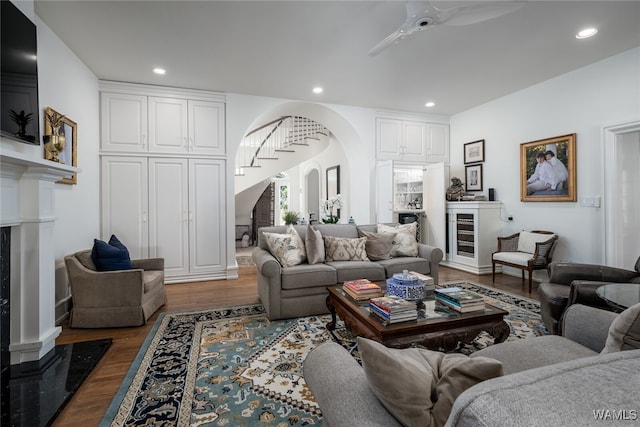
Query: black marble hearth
(34, 393)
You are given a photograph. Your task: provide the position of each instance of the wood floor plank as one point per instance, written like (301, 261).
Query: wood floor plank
(89, 404)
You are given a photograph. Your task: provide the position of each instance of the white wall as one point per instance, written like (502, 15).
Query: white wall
(69, 87)
(581, 102)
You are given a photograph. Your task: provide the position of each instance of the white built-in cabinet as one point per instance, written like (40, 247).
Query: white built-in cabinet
(411, 141)
(473, 230)
(172, 208)
(139, 123)
(163, 177)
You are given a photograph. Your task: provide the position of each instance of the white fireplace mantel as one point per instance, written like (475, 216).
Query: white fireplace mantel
(27, 204)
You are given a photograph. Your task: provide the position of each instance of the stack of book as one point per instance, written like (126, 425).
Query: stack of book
(460, 299)
(391, 309)
(362, 289)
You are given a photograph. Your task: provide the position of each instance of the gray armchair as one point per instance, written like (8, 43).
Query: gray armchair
(573, 283)
(108, 299)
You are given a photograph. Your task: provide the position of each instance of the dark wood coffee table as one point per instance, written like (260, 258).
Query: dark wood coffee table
(436, 333)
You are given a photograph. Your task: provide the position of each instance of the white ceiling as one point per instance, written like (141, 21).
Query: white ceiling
(284, 48)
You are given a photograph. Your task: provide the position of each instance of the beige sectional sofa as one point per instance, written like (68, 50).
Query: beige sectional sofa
(300, 290)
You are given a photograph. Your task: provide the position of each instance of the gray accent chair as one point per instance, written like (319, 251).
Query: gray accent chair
(109, 299)
(572, 283)
(548, 380)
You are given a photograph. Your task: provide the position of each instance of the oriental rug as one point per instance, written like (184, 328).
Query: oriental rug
(234, 367)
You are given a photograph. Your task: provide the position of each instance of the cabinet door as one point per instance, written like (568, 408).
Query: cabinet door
(168, 125)
(437, 143)
(414, 136)
(384, 191)
(123, 122)
(125, 203)
(207, 128)
(207, 239)
(168, 214)
(388, 139)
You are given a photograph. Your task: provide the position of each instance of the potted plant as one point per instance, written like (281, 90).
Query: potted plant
(331, 208)
(291, 217)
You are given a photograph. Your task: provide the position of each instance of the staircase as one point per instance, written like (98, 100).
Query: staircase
(277, 146)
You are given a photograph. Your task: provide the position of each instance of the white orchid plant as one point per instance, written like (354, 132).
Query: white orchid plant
(330, 209)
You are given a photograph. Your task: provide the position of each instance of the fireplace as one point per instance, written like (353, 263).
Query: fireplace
(27, 214)
(5, 291)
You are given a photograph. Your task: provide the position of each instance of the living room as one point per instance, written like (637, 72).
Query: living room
(596, 102)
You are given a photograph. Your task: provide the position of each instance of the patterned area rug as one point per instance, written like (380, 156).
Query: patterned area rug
(234, 367)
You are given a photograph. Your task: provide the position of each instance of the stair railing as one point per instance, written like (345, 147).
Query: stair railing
(279, 135)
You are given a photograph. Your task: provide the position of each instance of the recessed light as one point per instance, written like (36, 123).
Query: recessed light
(430, 104)
(586, 33)
(318, 90)
(160, 71)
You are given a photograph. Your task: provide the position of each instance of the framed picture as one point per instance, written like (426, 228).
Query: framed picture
(548, 170)
(69, 154)
(474, 178)
(474, 152)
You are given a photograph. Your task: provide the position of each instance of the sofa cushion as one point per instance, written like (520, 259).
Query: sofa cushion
(314, 245)
(352, 270)
(527, 241)
(418, 386)
(305, 276)
(345, 249)
(541, 351)
(378, 245)
(153, 280)
(404, 241)
(518, 258)
(287, 248)
(563, 394)
(398, 265)
(110, 256)
(624, 332)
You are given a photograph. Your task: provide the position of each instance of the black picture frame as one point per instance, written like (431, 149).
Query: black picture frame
(474, 152)
(473, 178)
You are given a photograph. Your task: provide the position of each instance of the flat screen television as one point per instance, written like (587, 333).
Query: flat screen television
(19, 110)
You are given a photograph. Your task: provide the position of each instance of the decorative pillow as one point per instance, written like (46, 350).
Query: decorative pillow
(287, 248)
(527, 241)
(300, 243)
(624, 332)
(404, 242)
(314, 246)
(345, 249)
(378, 245)
(418, 386)
(110, 256)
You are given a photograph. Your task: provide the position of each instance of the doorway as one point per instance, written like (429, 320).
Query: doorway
(621, 156)
(313, 195)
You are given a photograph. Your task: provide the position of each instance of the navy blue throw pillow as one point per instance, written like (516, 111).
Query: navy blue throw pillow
(110, 256)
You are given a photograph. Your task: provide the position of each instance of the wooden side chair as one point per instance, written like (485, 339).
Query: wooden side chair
(526, 250)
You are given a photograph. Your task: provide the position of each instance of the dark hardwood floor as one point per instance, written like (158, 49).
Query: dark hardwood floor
(89, 404)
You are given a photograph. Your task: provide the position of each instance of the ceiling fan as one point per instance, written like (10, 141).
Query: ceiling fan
(423, 14)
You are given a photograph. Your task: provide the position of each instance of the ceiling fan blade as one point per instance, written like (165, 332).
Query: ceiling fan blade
(413, 10)
(392, 38)
(475, 13)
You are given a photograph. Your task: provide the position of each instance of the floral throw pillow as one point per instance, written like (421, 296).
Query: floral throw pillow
(404, 242)
(344, 249)
(287, 248)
